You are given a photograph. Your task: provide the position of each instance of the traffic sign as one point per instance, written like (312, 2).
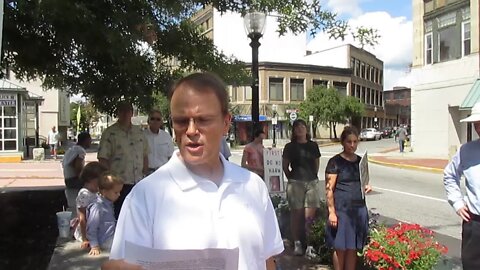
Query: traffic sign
(293, 116)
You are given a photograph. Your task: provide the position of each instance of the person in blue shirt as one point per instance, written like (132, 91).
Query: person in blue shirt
(466, 162)
(101, 220)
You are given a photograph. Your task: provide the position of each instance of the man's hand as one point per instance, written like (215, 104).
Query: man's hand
(94, 251)
(84, 245)
(464, 213)
(368, 189)
(119, 265)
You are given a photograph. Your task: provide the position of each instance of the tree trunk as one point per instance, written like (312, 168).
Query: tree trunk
(330, 128)
(335, 129)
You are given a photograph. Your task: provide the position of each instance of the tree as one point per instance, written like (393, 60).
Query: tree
(112, 50)
(329, 108)
(89, 116)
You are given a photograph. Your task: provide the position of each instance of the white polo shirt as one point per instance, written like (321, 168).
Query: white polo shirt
(161, 147)
(176, 209)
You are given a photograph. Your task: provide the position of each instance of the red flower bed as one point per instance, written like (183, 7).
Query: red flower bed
(403, 246)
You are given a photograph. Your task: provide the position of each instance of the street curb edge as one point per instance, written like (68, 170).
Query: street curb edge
(406, 166)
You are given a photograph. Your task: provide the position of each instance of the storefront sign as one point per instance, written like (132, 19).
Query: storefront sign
(273, 171)
(8, 100)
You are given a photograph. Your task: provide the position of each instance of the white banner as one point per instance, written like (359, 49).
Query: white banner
(273, 171)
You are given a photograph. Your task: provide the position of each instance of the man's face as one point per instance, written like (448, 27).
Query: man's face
(125, 115)
(155, 120)
(199, 125)
(476, 125)
(53, 129)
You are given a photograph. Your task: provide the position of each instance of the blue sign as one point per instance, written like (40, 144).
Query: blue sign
(247, 118)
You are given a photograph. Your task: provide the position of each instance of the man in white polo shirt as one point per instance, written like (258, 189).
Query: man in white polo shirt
(159, 142)
(198, 200)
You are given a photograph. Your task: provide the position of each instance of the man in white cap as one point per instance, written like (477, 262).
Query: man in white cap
(466, 162)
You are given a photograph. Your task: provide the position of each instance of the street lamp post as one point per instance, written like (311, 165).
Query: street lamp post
(254, 25)
(375, 117)
(274, 123)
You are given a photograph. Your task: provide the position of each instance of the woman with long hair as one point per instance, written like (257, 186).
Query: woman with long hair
(347, 223)
(301, 160)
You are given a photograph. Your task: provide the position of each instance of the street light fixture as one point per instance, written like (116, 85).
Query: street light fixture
(375, 117)
(254, 25)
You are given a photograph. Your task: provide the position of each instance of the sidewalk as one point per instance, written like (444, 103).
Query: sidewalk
(409, 160)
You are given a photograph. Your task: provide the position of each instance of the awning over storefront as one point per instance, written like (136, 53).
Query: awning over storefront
(472, 97)
(247, 118)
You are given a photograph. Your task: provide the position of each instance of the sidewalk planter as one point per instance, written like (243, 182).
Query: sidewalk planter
(402, 246)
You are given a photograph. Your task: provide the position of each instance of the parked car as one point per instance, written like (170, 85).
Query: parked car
(387, 132)
(370, 134)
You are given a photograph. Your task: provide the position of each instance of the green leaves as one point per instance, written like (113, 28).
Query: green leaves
(328, 106)
(112, 50)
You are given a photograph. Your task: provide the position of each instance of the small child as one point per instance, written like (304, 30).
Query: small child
(86, 196)
(101, 220)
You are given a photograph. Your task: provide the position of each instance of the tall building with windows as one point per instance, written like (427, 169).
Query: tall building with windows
(287, 71)
(445, 69)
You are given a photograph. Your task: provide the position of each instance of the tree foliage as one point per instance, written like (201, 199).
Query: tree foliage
(329, 107)
(112, 50)
(89, 115)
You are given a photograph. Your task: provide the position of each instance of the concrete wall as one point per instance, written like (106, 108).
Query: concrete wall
(436, 96)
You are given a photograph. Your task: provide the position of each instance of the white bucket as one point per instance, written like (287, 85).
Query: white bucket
(63, 221)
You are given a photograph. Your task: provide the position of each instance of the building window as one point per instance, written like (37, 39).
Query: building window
(352, 64)
(297, 90)
(341, 87)
(466, 38)
(8, 122)
(275, 87)
(357, 68)
(368, 101)
(362, 70)
(234, 94)
(446, 44)
(321, 83)
(248, 92)
(363, 94)
(428, 49)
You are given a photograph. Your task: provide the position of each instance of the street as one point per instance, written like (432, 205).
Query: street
(402, 195)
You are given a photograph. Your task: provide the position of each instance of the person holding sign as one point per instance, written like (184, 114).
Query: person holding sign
(252, 158)
(301, 159)
(347, 223)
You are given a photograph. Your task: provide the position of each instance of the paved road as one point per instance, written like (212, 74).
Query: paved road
(404, 195)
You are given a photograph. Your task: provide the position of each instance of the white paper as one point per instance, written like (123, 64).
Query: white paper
(159, 259)
(273, 170)
(364, 174)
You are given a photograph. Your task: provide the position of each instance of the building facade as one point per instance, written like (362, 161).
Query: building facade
(445, 68)
(398, 106)
(285, 74)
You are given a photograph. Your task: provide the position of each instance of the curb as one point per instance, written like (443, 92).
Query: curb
(329, 144)
(406, 166)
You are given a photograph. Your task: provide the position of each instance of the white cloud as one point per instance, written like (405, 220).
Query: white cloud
(394, 47)
(345, 7)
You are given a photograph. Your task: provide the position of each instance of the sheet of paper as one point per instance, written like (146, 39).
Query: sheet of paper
(364, 174)
(204, 259)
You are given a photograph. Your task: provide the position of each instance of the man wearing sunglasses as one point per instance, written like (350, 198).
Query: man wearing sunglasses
(159, 142)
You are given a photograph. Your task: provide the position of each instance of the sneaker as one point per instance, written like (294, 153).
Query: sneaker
(298, 250)
(310, 252)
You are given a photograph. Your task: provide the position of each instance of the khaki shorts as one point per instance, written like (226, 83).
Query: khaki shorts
(303, 194)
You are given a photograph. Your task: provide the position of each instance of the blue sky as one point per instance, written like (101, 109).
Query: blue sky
(396, 8)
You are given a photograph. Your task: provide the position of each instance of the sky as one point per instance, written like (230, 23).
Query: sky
(393, 20)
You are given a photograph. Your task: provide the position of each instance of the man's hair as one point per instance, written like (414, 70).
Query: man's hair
(108, 181)
(258, 132)
(124, 106)
(92, 171)
(83, 137)
(204, 82)
(296, 123)
(154, 111)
